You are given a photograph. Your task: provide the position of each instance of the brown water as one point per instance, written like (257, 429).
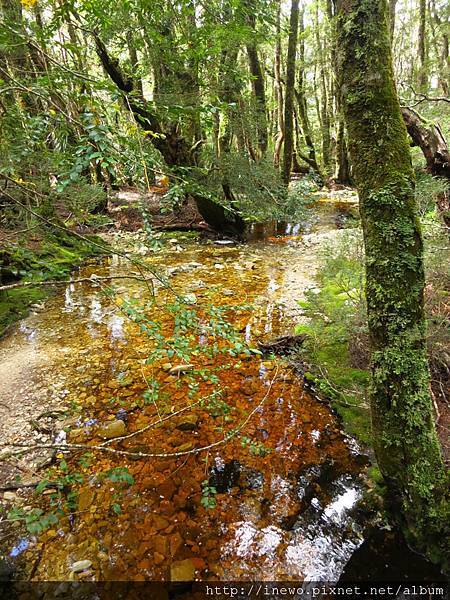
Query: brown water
(287, 514)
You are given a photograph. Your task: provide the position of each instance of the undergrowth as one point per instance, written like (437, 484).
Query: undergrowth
(334, 318)
(336, 346)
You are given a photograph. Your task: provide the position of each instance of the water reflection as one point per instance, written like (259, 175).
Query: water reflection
(115, 325)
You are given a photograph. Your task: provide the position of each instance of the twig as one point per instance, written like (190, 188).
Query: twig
(65, 447)
(18, 486)
(150, 425)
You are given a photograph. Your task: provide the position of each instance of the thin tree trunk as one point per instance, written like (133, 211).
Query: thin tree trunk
(134, 63)
(422, 78)
(392, 6)
(325, 117)
(343, 166)
(257, 85)
(301, 100)
(404, 435)
(290, 84)
(442, 56)
(279, 92)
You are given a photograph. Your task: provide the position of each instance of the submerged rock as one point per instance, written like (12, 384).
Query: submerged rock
(225, 476)
(182, 570)
(187, 422)
(122, 415)
(85, 499)
(185, 447)
(112, 430)
(179, 369)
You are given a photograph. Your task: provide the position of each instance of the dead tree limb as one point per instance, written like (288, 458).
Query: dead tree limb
(430, 139)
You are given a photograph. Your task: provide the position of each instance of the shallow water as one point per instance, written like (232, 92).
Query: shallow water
(282, 515)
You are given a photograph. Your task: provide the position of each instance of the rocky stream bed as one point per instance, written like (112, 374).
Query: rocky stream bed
(76, 368)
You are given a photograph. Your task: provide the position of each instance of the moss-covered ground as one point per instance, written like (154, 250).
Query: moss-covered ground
(44, 256)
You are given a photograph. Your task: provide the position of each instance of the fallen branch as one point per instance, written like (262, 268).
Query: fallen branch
(9, 487)
(150, 425)
(91, 279)
(282, 345)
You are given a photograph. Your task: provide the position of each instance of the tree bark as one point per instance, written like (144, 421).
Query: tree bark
(300, 96)
(325, 124)
(422, 77)
(430, 139)
(289, 99)
(134, 63)
(443, 55)
(392, 6)
(404, 435)
(342, 164)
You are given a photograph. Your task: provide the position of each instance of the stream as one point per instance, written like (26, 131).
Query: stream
(286, 487)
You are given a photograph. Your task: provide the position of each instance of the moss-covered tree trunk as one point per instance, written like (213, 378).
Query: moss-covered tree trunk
(406, 445)
(300, 95)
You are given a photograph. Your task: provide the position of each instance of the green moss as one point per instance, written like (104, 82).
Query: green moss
(54, 258)
(343, 385)
(14, 304)
(374, 474)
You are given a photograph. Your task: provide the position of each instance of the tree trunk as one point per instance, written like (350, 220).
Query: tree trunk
(404, 435)
(289, 99)
(324, 113)
(134, 63)
(392, 6)
(342, 163)
(343, 166)
(442, 56)
(422, 78)
(279, 92)
(301, 101)
(172, 147)
(258, 85)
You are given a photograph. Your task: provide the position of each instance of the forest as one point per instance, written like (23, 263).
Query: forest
(224, 296)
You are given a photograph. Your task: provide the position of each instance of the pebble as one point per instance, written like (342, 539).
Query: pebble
(180, 369)
(80, 565)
